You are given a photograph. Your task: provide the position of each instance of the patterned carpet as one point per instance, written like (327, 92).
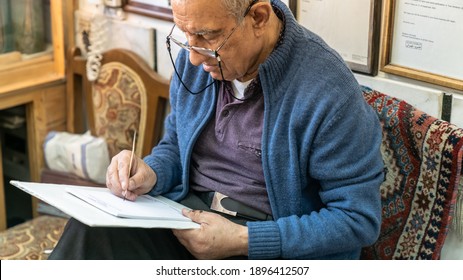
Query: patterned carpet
(31, 240)
(422, 156)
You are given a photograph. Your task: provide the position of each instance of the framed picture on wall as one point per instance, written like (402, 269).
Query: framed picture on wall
(351, 27)
(152, 8)
(423, 40)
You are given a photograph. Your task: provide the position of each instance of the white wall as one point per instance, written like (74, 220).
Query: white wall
(426, 97)
(135, 39)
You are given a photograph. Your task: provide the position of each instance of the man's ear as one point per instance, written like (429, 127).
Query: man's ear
(260, 14)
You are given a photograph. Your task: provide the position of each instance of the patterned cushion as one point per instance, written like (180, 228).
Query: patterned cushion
(422, 156)
(32, 240)
(118, 98)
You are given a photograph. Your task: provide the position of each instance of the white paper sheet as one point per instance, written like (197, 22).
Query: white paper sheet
(144, 207)
(58, 196)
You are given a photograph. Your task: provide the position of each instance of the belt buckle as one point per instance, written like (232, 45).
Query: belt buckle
(216, 204)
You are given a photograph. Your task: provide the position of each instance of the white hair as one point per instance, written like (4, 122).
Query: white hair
(235, 8)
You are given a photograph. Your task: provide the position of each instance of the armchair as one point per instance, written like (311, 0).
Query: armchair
(127, 96)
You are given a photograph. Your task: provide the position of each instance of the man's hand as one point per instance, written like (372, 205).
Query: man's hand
(142, 177)
(217, 238)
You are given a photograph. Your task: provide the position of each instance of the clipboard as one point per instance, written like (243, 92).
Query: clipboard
(65, 199)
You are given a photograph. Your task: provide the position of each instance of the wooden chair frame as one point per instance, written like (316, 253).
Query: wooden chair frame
(79, 90)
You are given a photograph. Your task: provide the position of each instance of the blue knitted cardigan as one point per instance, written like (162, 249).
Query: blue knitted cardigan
(320, 150)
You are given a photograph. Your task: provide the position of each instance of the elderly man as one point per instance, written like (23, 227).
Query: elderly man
(267, 124)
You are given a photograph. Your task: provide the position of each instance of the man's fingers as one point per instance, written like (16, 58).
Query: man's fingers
(197, 216)
(123, 163)
(117, 173)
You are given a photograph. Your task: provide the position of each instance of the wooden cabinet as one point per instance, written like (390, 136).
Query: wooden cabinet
(38, 84)
(21, 73)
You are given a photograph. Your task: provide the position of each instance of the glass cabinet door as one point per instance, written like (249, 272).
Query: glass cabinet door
(31, 43)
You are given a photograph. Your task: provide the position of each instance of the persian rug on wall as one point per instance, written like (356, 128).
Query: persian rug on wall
(422, 157)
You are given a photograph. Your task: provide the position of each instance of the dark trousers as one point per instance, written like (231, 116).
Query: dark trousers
(81, 242)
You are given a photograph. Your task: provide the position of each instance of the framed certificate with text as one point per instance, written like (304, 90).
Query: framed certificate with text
(423, 40)
(351, 27)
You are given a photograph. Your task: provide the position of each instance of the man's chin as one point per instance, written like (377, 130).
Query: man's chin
(214, 71)
(216, 75)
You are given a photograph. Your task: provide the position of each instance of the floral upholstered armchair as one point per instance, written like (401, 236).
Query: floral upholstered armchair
(126, 97)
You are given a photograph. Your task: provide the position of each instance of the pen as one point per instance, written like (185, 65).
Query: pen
(130, 164)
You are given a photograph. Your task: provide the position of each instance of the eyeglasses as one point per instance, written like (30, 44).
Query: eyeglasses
(202, 51)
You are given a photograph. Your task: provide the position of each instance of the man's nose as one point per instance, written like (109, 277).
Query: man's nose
(197, 58)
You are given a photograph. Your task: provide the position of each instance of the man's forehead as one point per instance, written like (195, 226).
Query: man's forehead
(194, 20)
(200, 27)
(198, 11)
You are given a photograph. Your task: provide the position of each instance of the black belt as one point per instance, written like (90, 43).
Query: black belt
(221, 203)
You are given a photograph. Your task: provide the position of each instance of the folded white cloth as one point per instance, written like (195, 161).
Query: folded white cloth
(81, 154)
